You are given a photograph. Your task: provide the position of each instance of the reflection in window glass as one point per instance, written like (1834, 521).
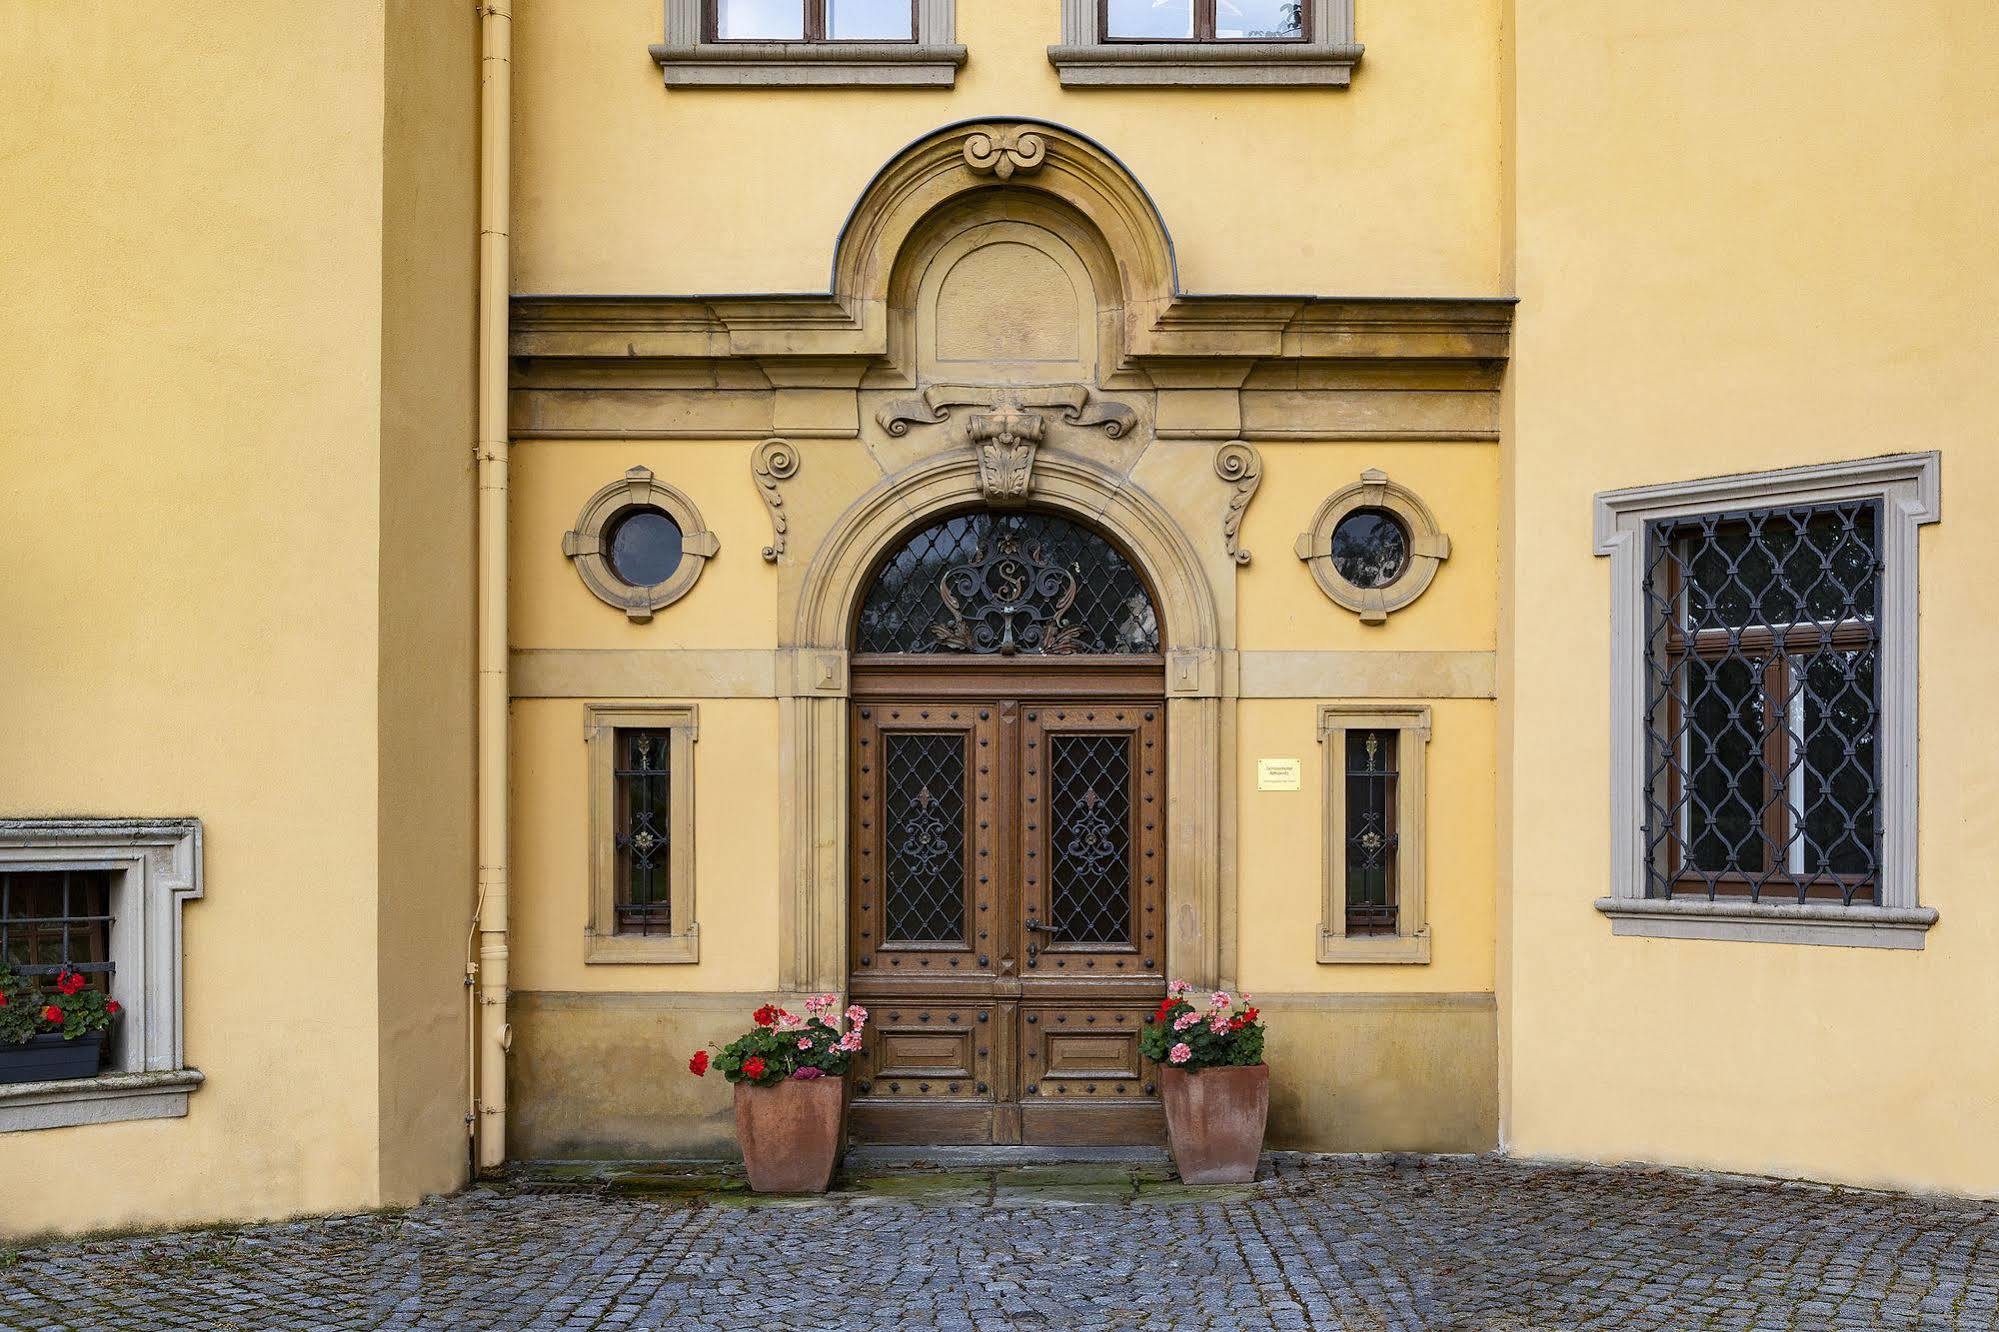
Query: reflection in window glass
(869, 20)
(1370, 549)
(760, 20)
(1260, 20)
(1149, 18)
(644, 547)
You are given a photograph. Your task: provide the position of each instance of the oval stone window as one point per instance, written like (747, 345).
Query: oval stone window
(1370, 548)
(644, 547)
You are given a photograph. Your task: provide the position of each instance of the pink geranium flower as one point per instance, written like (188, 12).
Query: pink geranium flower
(1219, 999)
(857, 1015)
(1180, 1053)
(1185, 1020)
(1220, 1024)
(1178, 988)
(805, 1042)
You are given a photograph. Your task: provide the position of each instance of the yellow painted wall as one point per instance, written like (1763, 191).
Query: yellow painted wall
(192, 233)
(1750, 236)
(1391, 186)
(430, 215)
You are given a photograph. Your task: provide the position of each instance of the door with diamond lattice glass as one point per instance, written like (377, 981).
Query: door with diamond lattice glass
(1007, 927)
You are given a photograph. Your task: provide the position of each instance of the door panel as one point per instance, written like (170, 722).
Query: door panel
(974, 816)
(1092, 846)
(924, 880)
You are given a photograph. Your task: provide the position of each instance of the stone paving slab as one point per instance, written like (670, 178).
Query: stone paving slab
(1319, 1242)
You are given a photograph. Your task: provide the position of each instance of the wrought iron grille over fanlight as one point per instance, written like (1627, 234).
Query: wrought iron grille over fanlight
(1005, 584)
(1763, 704)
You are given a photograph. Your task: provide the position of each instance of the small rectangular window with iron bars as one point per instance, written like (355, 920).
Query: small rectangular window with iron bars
(57, 920)
(1763, 708)
(643, 832)
(1372, 837)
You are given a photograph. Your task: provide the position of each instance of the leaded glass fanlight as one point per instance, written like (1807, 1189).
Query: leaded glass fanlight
(1007, 584)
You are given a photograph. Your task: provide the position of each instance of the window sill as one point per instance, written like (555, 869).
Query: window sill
(1761, 922)
(616, 949)
(809, 65)
(109, 1099)
(1407, 949)
(1205, 64)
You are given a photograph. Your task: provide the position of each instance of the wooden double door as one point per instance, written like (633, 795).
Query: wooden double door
(1007, 922)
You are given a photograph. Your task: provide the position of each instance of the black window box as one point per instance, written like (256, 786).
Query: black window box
(51, 1058)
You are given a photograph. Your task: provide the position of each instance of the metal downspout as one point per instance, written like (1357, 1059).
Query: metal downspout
(490, 1033)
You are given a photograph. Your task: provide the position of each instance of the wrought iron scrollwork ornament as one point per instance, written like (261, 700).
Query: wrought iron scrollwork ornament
(1009, 599)
(923, 840)
(1090, 845)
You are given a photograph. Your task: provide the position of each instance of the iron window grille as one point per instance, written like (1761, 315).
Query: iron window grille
(1005, 584)
(1763, 704)
(1372, 838)
(55, 921)
(644, 832)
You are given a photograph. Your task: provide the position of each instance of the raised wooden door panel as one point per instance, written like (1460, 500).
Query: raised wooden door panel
(927, 852)
(1092, 859)
(1082, 1077)
(935, 1073)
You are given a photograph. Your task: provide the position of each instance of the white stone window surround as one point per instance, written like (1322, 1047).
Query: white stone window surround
(688, 60)
(155, 867)
(1325, 58)
(1909, 488)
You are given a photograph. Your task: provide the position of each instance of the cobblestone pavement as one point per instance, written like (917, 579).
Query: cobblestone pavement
(1320, 1242)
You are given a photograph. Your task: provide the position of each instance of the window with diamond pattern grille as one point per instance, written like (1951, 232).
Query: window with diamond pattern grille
(923, 890)
(1763, 704)
(643, 836)
(1372, 839)
(57, 920)
(1006, 584)
(1089, 838)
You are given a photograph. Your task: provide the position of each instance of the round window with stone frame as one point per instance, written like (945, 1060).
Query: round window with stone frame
(639, 544)
(1373, 547)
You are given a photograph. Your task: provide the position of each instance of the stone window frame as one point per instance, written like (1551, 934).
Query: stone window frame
(1429, 546)
(1410, 944)
(1325, 58)
(155, 868)
(584, 545)
(687, 59)
(602, 942)
(1908, 486)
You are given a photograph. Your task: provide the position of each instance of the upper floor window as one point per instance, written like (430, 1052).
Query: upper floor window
(1204, 20)
(1764, 704)
(810, 43)
(1206, 43)
(812, 20)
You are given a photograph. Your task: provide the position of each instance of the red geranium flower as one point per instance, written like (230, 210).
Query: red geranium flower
(3, 1000)
(698, 1065)
(766, 1016)
(1249, 1014)
(69, 983)
(52, 1014)
(114, 1008)
(753, 1067)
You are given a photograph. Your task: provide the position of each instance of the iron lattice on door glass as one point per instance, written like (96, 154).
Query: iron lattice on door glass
(1763, 704)
(1006, 584)
(1089, 872)
(924, 880)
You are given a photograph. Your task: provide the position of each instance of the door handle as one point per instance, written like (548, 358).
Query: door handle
(1039, 928)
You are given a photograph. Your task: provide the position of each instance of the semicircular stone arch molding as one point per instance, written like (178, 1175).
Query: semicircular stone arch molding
(815, 634)
(1039, 158)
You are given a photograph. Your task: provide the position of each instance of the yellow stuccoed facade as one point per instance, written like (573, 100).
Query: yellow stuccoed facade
(1533, 253)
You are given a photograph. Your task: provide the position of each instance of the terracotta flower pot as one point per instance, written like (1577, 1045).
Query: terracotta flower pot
(792, 1132)
(1215, 1119)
